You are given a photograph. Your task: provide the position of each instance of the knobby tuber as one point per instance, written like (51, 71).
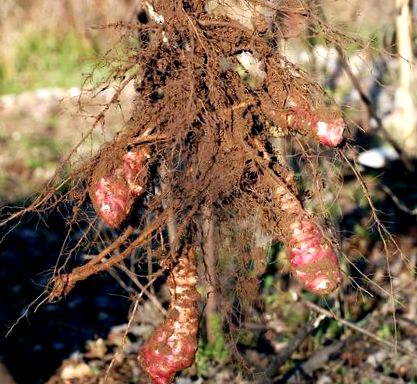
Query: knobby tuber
(113, 191)
(312, 258)
(324, 123)
(173, 345)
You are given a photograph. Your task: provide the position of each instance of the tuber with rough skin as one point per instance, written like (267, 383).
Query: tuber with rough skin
(313, 261)
(113, 192)
(312, 258)
(111, 199)
(173, 345)
(324, 123)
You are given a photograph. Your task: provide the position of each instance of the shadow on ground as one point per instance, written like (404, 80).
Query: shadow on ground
(38, 344)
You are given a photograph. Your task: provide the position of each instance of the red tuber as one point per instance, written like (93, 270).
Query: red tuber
(113, 193)
(313, 260)
(173, 345)
(323, 123)
(111, 199)
(330, 133)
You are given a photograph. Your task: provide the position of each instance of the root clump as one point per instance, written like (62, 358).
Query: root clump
(211, 88)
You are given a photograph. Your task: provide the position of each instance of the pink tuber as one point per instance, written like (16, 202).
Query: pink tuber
(330, 133)
(111, 199)
(113, 193)
(313, 260)
(323, 123)
(173, 345)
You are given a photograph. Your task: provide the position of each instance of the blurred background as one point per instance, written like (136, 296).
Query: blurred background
(47, 51)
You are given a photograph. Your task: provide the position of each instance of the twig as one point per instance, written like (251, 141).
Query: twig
(320, 357)
(143, 288)
(129, 324)
(398, 202)
(124, 338)
(279, 360)
(359, 329)
(208, 249)
(372, 110)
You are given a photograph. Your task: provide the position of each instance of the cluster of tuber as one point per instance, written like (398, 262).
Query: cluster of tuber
(215, 130)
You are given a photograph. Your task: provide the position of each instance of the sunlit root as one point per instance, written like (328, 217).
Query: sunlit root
(113, 191)
(173, 345)
(312, 257)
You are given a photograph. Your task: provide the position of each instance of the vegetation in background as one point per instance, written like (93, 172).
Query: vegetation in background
(212, 352)
(47, 58)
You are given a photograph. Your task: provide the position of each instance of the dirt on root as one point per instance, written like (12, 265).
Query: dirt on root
(207, 126)
(203, 122)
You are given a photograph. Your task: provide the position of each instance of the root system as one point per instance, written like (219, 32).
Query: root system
(212, 92)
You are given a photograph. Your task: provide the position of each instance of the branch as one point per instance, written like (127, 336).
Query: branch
(359, 329)
(63, 284)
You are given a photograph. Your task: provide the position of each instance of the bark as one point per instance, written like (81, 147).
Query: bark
(407, 131)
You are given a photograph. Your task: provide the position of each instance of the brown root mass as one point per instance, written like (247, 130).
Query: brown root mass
(204, 117)
(206, 126)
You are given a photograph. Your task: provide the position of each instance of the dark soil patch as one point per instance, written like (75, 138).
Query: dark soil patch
(39, 343)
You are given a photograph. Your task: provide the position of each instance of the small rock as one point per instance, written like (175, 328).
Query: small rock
(324, 379)
(376, 359)
(78, 371)
(96, 349)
